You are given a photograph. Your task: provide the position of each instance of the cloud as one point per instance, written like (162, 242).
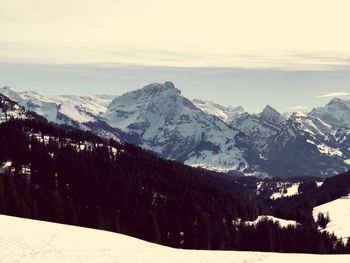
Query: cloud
(333, 94)
(298, 107)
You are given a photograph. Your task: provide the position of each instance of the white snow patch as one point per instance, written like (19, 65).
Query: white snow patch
(326, 149)
(319, 184)
(24, 240)
(329, 151)
(290, 191)
(281, 222)
(5, 166)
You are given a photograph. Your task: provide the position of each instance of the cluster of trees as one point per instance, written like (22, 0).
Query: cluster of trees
(322, 220)
(132, 191)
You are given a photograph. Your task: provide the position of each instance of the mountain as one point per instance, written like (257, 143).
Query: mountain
(259, 127)
(205, 134)
(65, 109)
(158, 118)
(335, 113)
(302, 146)
(224, 113)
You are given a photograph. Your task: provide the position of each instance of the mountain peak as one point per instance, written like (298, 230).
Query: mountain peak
(337, 101)
(10, 93)
(7, 88)
(157, 88)
(268, 111)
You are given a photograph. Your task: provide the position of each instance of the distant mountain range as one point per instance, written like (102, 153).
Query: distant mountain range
(205, 134)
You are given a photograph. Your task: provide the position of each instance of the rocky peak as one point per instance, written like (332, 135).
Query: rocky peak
(270, 114)
(155, 89)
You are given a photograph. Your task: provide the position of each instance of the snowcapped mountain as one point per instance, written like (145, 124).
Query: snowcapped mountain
(206, 134)
(303, 146)
(227, 114)
(259, 127)
(66, 109)
(335, 113)
(158, 118)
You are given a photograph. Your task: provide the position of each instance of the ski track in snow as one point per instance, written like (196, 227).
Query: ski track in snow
(24, 240)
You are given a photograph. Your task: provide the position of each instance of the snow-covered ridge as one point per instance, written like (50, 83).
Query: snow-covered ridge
(77, 108)
(24, 240)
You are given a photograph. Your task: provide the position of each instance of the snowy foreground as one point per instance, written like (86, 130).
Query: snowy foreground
(339, 214)
(24, 240)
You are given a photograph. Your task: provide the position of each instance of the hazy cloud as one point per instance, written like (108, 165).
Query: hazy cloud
(333, 94)
(298, 107)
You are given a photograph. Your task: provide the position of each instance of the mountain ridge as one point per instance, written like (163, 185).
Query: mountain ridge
(204, 133)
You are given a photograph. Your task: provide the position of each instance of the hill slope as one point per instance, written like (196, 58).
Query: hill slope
(24, 240)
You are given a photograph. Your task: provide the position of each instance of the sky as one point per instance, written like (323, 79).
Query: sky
(286, 53)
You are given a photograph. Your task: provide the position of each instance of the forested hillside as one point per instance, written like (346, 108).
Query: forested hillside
(60, 174)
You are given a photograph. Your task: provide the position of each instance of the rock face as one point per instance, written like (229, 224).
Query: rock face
(206, 134)
(259, 127)
(304, 146)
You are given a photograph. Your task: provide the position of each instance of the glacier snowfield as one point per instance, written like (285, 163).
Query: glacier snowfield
(25, 240)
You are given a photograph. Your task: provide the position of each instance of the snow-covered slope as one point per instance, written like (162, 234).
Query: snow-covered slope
(10, 109)
(158, 118)
(339, 214)
(61, 109)
(24, 240)
(224, 113)
(285, 192)
(336, 113)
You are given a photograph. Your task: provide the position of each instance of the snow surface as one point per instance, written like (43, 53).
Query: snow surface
(319, 184)
(292, 190)
(224, 113)
(324, 149)
(24, 240)
(282, 222)
(339, 214)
